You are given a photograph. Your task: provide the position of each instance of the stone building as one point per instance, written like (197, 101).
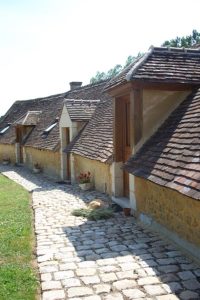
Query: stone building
(156, 140)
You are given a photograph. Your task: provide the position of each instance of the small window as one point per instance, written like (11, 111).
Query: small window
(50, 127)
(2, 131)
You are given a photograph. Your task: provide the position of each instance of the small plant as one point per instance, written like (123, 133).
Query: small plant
(84, 177)
(6, 160)
(93, 214)
(36, 166)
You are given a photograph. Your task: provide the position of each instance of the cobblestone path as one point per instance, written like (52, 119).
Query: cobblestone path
(113, 259)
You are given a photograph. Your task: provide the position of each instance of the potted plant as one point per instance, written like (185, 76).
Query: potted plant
(85, 181)
(6, 161)
(36, 168)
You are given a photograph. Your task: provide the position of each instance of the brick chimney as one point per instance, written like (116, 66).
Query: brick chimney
(75, 84)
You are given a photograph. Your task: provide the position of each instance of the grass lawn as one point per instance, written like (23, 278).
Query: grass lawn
(18, 279)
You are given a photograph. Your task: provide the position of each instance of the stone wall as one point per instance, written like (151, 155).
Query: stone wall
(101, 172)
(7, 151)
(175, 211)
(48, 160)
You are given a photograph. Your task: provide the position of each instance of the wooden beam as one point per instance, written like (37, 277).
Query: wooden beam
(137, 116)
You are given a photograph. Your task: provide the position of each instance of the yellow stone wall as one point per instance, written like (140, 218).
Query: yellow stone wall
(101, 173)
(48, 160)
(157, 106)
(168, 207)
(7, 151)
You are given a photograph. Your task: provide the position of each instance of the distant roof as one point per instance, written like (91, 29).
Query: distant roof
(161, 64)
(95, 141)
(51, 108)
(81, 110)
(171, 158)
(30, 118)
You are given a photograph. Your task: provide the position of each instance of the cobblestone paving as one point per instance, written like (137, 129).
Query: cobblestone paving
(110, 260)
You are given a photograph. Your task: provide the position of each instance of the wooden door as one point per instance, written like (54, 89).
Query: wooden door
(126, 142)
(19, 137)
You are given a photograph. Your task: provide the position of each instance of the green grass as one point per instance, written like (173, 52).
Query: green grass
(17, 276)
(93, 214)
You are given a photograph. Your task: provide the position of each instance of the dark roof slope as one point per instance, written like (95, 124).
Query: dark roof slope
(50, 108)
(171, 158)
(177, 65)
(96, 140)
(80, 110)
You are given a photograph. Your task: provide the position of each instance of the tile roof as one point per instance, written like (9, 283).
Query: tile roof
(30, 118)
(171, 157)
(96, 139)
(51, 108)
(161, 64)
(80, 110)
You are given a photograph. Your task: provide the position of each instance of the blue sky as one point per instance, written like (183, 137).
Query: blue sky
(45, 44)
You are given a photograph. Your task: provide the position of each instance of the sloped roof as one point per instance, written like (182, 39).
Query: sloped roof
(171, 158)
(96, 139)
(80, 110)
(161, 64)
(29, 119)
(51, 108)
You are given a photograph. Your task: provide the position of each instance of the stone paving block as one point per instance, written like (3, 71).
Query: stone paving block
(92, 298)
(148, 280)
(167, 297)
(186, 275)
(133, 293)
(86, 272)
(197, 272)
(113, 296)
(51, 285)
(102, 288)
(126, 275)
(86, 264)
(191, 284)
(187, 295)
(173, 287)
(108, 269)
(79, 291)
(63, 275)
(154, 290)
(106, 261)
(108, 277)
(46, 277)
(129, 266)
(123, 284)
(168, 269)
(71, 282)
(90, 279)
(68, 266)
(53, 295)
(48, 269)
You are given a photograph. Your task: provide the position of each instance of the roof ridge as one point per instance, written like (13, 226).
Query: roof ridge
(88, 85)
(177, 49)
(138, 63)
(42, 98)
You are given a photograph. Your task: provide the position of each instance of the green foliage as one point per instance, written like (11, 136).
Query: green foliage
(114, 71)
(17, 279)
(185, 41)
(93, 214)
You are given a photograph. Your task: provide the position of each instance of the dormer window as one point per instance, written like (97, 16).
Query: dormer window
(48, 129)
(3, 130)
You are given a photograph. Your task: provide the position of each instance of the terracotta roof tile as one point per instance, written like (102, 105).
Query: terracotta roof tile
(177, 65)
(96, 140)
(80, 110)
(171, 157)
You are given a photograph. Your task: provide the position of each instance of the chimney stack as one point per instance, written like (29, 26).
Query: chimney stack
(75, 84)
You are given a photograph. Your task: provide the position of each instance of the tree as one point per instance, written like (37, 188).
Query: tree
(114, 71)
(185, 41)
